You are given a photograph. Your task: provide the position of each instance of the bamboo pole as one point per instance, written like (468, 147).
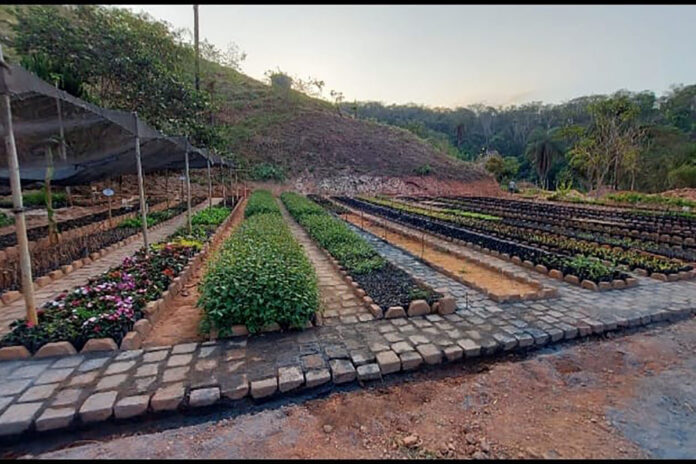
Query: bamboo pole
(188, 192)
(48, 197)
(62, 149)
(17, 202)
(141, 188)
(210, 187)
(222, 182)
(166, 185)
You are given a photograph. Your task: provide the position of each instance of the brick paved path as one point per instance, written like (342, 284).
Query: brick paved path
(16, 310)
(339, 303)
(79, 390)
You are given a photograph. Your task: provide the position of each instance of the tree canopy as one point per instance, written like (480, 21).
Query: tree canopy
(625, 140)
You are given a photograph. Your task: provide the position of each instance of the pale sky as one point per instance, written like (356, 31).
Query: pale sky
(456, 55)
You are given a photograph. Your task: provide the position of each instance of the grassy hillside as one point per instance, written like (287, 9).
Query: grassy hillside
(305, 136)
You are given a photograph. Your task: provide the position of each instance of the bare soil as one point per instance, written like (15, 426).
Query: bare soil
(179, 321)
(620, 397)
(495, 282)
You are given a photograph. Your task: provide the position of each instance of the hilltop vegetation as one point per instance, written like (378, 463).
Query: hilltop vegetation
(121, 60)
(625, 140)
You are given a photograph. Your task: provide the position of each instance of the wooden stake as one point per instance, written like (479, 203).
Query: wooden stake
(188, 191)
(210, 187)
(17, 202)
(62, 150)
(110, 218)
(52, 228)
(141, 188)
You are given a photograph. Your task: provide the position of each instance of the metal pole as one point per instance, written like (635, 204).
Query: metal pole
(62, 150)
(17, 203)
(141, 188)
(210, 187)
(188, 192)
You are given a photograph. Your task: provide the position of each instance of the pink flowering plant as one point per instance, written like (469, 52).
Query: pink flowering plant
(108, 305)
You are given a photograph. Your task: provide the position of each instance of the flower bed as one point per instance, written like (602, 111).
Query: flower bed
(110, 304)
(69, 250)
(260, 277)
(386, 284)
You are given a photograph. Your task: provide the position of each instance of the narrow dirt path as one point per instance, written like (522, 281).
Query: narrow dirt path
(495, 282)
(339, 303)
(179, 321)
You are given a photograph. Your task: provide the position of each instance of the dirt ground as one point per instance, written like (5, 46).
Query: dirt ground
(494, 282)
(179, 322)
(626, 396)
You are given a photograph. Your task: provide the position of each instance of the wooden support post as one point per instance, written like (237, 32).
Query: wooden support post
(110, 218)
(222, 182)
(62, 149)
(210, 187)
(141, 188)
(166, 186)
(52, 227)
(188, 192)
(17, 202)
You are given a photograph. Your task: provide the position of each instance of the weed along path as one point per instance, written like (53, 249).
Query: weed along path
(178, 323)
(492, 281)
(81, 276)
(339, 304)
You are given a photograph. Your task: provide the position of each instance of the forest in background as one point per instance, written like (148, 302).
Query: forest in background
(625, 140)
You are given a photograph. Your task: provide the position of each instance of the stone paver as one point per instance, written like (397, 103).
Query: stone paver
(18, 418)
(55, 418)
(131, 406)
(98, 407)
(204, 397)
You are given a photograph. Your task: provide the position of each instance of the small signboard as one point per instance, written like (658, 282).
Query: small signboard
(108, 192)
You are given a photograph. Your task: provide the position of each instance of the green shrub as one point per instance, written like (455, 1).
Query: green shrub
(683, 176)
(5, 220)
(260, 276)
(424, 170)
(37, 198)
(351, 250)
(211, 216)
(267, 171)
(261, 202)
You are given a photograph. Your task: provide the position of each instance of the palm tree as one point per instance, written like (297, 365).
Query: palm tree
(542, 149)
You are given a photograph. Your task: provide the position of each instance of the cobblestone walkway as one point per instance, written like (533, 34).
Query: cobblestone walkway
(55, 393)
(16, 310)
(339, 303)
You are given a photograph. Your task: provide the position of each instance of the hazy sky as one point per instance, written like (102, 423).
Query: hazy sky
(455, 55)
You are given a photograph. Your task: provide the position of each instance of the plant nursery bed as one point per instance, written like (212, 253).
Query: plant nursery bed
(387, 290)
(485, 278)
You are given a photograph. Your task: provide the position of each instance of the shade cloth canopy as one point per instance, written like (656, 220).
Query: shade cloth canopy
(99, 143)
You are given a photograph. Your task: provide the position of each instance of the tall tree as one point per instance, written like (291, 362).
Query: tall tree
(543, 148)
